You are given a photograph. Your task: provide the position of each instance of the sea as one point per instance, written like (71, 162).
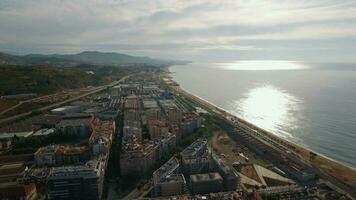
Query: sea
(311, 104)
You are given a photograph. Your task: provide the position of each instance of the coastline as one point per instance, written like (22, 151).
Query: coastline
(333, 169)
(293, 143)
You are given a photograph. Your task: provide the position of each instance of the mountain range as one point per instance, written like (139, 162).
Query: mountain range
(86, 57)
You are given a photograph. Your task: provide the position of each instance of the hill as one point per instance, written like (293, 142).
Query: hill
(43, 80)
(86, 57)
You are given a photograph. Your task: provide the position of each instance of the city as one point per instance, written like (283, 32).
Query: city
(144, 137)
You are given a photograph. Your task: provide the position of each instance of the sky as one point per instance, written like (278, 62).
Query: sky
(197, 30)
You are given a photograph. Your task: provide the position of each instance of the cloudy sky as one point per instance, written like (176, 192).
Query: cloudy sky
(309, 30)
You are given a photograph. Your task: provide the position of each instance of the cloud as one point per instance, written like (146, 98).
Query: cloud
(194, 28)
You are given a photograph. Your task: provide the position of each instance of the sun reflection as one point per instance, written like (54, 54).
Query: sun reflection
(269, 108)
(263, 65)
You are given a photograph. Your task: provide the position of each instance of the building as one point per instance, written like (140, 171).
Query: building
(44, 132)
(6, 138)
(58, 155)
(132, 115)
(67, 110)
(167, 181)
(102, 135)
(174, 184)
(129, 131)
(229, 174)
(157, 128)
(175, 130)
(128, 89)
(10, 169)
(163, 145)
(132, 102)
(77, 124)
(150, 104)
(153, 114)
(196, 158)
(174, 115)
(190, 123)
(45, 156)
(137, 159)
(13, 190)
(71, 155)
(293, 192)
(206, 183)
(151, 110)
(73, 182)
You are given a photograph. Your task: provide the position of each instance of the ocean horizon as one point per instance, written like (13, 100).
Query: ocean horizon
(310, 104)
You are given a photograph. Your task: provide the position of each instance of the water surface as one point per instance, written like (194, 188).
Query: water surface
(306, 103)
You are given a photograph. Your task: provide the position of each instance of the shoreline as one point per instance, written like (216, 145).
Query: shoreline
(328, 167)
(300, 145)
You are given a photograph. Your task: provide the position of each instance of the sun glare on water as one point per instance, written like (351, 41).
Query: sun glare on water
(263, 65)
(269, 108)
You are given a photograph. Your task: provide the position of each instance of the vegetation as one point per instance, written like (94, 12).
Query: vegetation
(206, 131)
(43, 79)
(31, 144)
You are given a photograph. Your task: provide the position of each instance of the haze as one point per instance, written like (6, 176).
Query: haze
(204, 30)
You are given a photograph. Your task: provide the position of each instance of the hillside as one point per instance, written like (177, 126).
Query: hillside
(86, 57)
(43, 80)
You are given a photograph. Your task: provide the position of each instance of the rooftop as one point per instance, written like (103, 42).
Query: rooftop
(150, 104)
(195, 148)
(166, 169)
(205, 177)
(71, 172)
(18, 134)
(173, 178)
(44, 131)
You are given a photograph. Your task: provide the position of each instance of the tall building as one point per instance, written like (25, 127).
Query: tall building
(129, 131)
(175, 130)
(132, 115)
(157, 128)
(132, 102)
(174, 115)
